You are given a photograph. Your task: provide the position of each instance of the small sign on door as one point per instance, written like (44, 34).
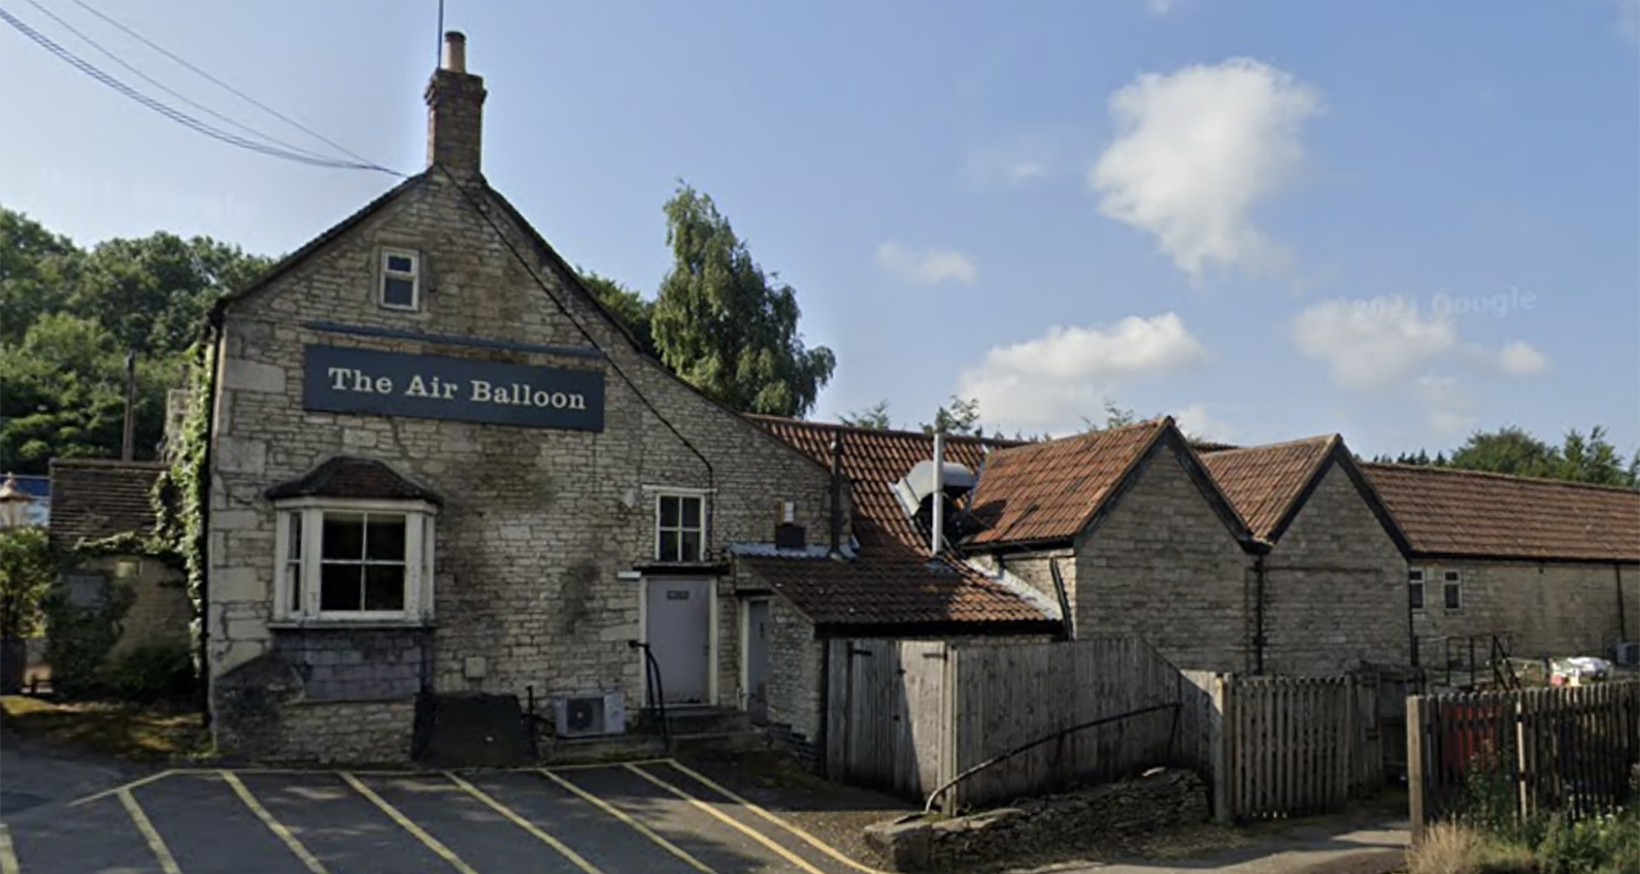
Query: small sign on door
(677, 594)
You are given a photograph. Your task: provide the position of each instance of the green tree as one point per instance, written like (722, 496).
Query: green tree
(26, 572)
(725, 326)
(38, 272)
(1509, 449)
(874, 417)
(152, 292)
(961, 416)
(628, 307)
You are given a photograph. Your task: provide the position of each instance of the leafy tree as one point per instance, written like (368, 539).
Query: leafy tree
(1507, 450)
(628, 307)
(961, 417)
(725, 326)
(38, 269)
(874, 417)
(26, 572)
(151, 292)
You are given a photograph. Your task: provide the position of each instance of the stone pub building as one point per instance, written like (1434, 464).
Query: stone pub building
(437, 464)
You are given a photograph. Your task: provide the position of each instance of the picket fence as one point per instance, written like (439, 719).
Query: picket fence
(985, 723)
(1567, 750)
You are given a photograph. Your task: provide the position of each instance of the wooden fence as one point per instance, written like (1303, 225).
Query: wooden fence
(910, 717)
(1568, 750)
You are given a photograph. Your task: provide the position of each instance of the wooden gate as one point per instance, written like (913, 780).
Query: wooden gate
(889, 714)
(1290, 743)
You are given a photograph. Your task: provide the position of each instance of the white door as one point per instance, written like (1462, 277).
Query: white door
(679, 616)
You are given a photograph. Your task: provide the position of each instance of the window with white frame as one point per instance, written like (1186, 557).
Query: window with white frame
(1415, 588)
(401, 279)
(355, 560)
(1452, 590)
(680, 528)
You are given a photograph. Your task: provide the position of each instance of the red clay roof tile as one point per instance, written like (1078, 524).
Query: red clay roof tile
(1263, 482)
(1463, 513)
(1050, 490)
(892, 580)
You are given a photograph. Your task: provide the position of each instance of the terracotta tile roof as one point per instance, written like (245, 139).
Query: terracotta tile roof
(1050, 490)
(93, 499)
(891, 582)
(1459, 513)
(345, 477)
(1264, 483)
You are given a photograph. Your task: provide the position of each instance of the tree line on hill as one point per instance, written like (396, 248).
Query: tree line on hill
(71, 316)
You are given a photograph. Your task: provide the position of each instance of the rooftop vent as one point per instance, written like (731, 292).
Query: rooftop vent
(918, 485)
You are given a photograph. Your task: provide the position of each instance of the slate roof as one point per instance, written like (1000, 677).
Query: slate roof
(1264, 483)
(347, 477)
(94, 499)
(1051, 490)
(1468, 514)
(892, 582)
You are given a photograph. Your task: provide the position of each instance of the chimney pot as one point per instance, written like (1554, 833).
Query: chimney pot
(455, 51)
(455, 113)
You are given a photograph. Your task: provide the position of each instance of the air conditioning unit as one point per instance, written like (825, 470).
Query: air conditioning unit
(1627, 653)
(590, 715)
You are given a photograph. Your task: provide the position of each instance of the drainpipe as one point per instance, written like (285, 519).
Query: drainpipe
(836, 495)
(1622, 616)
(1258, 615)
(938, 525)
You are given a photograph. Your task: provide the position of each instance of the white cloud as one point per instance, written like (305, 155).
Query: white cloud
(1197, 150)
(1372, 345)
(1520, 359)
(1445, 403)
(926, 267)
(1052, 381)
(1160, 7)
(1197, 422)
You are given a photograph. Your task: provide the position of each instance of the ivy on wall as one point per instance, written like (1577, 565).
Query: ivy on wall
(181, 495)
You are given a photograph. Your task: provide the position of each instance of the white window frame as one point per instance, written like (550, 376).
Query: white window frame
(1452, 581)
(1418, 577)
(419, 550)
(386, 273)
(705, 498)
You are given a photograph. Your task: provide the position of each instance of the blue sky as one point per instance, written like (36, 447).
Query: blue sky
(1400, 221)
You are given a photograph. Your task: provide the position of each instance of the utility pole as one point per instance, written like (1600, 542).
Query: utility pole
(128, 443)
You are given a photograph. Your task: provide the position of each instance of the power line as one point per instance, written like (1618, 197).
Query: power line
(167, 89)
(225, 86)
(174, 114)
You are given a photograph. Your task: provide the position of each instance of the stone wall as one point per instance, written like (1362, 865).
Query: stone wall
(1163, 566)
(356, 664)
(348, 733)
(537, 523)
(160, 610)
(1160, 800)
(1335, 587)
(1544, 609)
(796, 683)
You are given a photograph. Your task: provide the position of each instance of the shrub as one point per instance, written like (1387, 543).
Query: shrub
(151, 672)
(1446, 848)
(1604, 845)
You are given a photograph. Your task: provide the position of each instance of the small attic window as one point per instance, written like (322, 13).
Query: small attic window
(401, 279)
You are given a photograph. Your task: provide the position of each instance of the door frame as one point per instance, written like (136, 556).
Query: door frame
(744, 670)
(712, 642)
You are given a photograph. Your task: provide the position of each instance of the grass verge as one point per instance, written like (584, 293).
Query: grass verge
(152, 734)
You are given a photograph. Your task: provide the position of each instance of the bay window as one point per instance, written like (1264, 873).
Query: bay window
(345, 560)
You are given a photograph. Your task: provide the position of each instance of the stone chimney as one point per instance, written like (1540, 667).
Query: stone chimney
(455, 112)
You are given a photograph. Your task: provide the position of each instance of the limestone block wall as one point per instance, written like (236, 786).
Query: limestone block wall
(1544, 609)
(160, 611)
(537, 523)
(1164, 566)
(797, 681)
(1335, 587)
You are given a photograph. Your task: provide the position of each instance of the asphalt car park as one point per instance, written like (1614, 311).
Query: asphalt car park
(656, 816)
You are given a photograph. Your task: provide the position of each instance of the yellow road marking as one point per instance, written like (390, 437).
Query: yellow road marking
(8, 854)
(621, 815)
(274, 825)
(162, 853)
(588, 766)
(730, 821)
(404, 822)
(125, 787)
(526, 825)
(818, 844)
